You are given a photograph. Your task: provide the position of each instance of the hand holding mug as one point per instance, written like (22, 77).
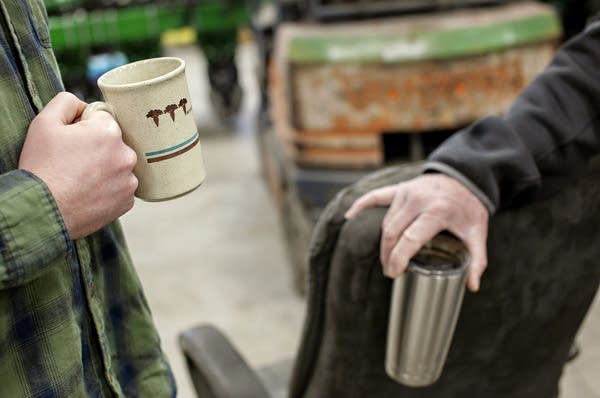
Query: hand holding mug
(86, 165)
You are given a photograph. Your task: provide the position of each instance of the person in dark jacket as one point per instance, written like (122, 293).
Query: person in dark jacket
(549, 134)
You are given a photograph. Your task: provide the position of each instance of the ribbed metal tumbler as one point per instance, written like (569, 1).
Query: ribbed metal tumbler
(425, 305)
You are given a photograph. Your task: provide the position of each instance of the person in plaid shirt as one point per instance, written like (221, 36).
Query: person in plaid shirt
(74, 321)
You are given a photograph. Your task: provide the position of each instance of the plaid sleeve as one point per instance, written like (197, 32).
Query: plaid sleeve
(32, 232)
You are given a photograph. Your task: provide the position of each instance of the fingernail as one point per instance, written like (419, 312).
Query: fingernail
(348, 215)
(475, 284)
(385, 268)
(392, 271)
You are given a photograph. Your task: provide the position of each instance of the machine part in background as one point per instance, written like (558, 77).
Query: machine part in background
(347, 9)
(349, 97)
(97, 65)
(337, 88)
(101, 63)
(117, 26)
(182, 43)
(83, 28)
(575, 14)
(226, 94)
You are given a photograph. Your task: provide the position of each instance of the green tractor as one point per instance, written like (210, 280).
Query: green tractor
(83, 29)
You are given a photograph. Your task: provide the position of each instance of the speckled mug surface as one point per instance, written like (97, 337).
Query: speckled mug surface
(150, 100)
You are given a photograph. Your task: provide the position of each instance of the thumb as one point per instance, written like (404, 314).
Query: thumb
(65, 107)
(378, 197)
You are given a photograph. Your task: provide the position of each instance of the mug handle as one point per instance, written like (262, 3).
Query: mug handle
(95, 107)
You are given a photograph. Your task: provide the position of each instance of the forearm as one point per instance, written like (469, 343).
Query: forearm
(32, 233)
(552, 129)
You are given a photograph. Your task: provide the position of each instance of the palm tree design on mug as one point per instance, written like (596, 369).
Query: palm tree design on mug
(169, 109)
(154, 114)
(183, 103)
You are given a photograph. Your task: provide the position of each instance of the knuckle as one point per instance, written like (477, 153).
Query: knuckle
(378, 196)
(434, 221)
(111, 128)
(389, 232)
(399, 199)
(133, 184)
(386, 223)
(414, 196)
(402, 187)
(65, 95)
(412, 238)
(130, 158)
(441, 208)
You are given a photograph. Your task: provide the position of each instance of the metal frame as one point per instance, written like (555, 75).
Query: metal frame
(319, 11)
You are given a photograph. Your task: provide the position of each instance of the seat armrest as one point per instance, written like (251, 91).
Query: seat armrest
(216, 368)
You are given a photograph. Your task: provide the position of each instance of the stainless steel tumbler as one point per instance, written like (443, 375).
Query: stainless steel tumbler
(425, 305)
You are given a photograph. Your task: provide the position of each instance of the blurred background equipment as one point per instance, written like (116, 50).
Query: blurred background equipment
(343, 9)
(81, 30)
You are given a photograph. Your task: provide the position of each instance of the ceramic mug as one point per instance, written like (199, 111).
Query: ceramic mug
(150, 100)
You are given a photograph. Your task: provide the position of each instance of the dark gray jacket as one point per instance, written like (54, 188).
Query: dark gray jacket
(550, 133)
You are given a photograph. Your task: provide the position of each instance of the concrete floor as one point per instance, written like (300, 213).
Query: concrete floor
(217, 256)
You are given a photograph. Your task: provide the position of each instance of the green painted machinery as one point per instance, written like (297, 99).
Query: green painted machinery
(83, 25)
(81, 28)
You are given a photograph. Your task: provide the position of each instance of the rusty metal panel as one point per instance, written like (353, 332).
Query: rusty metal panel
(336, 88)
(408, 98)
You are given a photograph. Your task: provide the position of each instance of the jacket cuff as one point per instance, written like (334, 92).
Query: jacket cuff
(457, 175)
(32, 231)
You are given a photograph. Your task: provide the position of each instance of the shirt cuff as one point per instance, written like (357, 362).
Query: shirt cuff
(457, 175)
(32, 231)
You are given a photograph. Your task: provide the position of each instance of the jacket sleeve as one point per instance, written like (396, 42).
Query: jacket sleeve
(551, 130)
(32, 232)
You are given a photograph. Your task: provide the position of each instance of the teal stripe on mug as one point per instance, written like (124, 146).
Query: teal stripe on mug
(174, 147)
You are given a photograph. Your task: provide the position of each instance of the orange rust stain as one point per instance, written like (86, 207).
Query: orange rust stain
(419, 123)
(341, 122)
(379, 123)
(460, 89)
(393, 94)
(423, 98)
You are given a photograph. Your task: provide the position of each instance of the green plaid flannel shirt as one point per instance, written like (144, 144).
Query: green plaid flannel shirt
(74, 321)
